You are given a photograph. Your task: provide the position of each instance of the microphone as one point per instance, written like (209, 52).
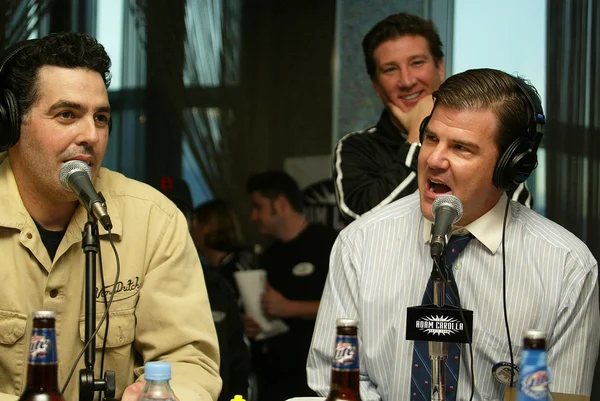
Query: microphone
(76, 176)
(446, 210)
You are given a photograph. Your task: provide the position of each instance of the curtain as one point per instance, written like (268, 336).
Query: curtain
(573, 129)
(21, 18)
(211, 76)
(127, 103)
(572, 136)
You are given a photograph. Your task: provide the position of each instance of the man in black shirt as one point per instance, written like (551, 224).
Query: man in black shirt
(296, 264)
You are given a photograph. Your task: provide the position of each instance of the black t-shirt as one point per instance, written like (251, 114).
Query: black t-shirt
(50, 239)
(298, 270)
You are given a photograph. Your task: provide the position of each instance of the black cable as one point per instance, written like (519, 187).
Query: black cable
(104, 316)
(512, 362)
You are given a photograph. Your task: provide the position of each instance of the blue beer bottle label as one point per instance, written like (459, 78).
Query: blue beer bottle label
(533, 377)
(346, 353)
(42, 348)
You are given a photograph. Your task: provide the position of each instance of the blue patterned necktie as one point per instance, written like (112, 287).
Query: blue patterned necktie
(420, 386)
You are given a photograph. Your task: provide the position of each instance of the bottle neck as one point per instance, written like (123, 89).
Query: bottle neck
(345, 365)
(42, 377)
(42, 367)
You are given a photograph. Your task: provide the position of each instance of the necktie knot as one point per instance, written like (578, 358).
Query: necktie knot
(455, 246)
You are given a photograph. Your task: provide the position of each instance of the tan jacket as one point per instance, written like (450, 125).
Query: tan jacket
(160, 309)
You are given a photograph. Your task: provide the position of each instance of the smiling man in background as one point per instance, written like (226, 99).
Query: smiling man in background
(373, 167)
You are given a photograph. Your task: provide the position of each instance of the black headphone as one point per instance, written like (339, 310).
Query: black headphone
(10, 119)
(10, 116)
(520, 158)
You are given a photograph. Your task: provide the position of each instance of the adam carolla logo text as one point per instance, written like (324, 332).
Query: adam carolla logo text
(439, 325)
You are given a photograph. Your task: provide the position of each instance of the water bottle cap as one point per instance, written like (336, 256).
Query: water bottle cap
(534, 334)
(157, 371)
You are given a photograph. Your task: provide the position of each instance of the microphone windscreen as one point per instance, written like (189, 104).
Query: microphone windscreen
(450, 201)
(69, 168)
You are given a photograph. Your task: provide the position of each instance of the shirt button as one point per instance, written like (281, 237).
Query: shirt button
(456, 266)
(53, 293)
(29, 236)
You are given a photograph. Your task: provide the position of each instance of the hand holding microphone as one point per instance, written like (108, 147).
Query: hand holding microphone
(76, 176)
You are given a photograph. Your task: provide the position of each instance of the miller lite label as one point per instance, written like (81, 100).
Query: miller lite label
(41, 348)
(346, 353)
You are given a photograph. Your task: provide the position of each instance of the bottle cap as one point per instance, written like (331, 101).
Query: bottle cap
(237, 398)
(534, 334)
(157, 371)
(346, 322)
(44, 314)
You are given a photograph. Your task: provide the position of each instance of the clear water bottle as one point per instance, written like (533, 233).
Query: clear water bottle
(157, 375)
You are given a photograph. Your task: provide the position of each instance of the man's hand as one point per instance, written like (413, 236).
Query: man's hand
(411, 120)
(133, 391)
(275, 304)
(251, 328)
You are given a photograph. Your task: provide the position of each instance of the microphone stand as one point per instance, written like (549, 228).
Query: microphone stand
(87, 385)
(438, 351)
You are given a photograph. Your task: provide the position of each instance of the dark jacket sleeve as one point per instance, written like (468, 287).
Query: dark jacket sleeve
(239, 361)
(367, 174)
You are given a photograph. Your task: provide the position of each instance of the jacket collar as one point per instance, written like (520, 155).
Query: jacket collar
(387, 129)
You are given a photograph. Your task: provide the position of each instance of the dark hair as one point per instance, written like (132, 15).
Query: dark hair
(64, 49)
(398, 25)
(272, 184)
(227, 234)
(495, 90)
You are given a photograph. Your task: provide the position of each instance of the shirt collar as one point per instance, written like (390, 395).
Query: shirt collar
(16, 214)
(487, 229)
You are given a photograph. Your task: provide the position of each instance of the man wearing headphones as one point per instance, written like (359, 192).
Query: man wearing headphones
(54, 109)
(480, 140)
(374, 167)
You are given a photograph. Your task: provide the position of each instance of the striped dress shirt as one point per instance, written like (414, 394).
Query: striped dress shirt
(380, 265)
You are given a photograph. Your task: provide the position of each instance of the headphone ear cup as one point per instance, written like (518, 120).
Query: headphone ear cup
(515, 165)
(423, 127)
(9, 119)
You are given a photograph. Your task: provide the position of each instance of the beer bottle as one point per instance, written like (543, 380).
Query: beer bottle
(345, 382)
(42, 368)
(533, 372)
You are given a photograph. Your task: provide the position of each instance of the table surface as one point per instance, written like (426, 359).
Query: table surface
(511, 395)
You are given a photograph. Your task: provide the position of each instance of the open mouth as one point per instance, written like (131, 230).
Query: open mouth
(439, 187)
